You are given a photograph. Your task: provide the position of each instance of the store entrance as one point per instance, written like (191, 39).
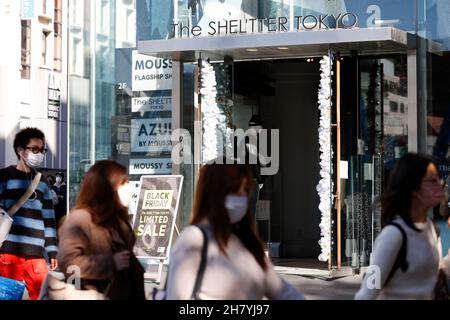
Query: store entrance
(283, 93)
(372, 133)
(222, 82)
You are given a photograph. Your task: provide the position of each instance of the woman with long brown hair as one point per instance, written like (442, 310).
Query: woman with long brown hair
(97, 238)
(236, 265)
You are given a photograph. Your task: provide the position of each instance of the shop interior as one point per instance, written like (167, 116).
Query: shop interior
(283, 93)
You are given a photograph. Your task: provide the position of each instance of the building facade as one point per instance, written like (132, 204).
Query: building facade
(33, 81)
(342, 89)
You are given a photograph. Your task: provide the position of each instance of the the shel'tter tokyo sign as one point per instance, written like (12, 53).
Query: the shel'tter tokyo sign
(276, 24)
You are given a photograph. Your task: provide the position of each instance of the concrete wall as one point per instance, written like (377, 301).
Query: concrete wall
(24, 102)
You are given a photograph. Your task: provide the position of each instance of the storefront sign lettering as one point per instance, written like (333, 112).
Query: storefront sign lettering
(150, 64)
(151, 135)
(151, 166)
(343, 20)
(54, 97)
(154, 129)
(151, 104)
(150, 73)
(157, 208)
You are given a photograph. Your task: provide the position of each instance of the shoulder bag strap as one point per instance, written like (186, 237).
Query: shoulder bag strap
(400, 261)
(202, 267)
(12, 211)
(437, 229)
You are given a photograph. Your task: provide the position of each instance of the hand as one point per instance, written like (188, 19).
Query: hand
(53, 264)
(448, 222)
(122, 260)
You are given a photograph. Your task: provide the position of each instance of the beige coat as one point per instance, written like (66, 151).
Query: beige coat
(91, 247)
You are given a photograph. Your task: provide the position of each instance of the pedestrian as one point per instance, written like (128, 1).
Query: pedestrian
(60, 189)
(51, 182)
(407, 253)
(31, 242)
(236, 264)
(97, 238)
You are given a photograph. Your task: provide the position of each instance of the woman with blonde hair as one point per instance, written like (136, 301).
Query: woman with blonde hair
(236, 266)
(97, 237)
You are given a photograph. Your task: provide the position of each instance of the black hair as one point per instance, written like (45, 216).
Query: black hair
(23, 137)
(60, 174)
(405, 178)
(51, 177)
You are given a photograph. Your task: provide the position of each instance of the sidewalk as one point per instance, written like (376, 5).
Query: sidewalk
(309, 277)
(343, 288)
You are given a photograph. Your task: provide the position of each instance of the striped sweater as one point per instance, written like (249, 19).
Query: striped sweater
(33, 233)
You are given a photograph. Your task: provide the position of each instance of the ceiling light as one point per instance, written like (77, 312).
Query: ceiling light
(283, 48)
(252, 50)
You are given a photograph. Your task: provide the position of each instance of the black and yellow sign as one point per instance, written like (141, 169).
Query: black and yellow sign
(156, 212)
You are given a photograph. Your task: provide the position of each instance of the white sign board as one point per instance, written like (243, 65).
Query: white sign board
(135, 189)
(151, 135)
(150, 73)
(151, 166)
(151, 104)
(344, 169)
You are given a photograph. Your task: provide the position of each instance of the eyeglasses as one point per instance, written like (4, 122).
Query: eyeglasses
(37, 150)
(435, 182)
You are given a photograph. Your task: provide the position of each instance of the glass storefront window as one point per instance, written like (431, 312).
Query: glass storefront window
(110, 99)
(435, 75)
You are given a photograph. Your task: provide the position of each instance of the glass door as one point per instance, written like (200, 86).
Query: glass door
(374, 105)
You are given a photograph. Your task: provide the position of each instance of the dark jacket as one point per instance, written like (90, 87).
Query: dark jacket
(91, 248)
(60, 207)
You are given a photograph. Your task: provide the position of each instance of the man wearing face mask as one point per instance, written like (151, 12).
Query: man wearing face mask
(32, 237)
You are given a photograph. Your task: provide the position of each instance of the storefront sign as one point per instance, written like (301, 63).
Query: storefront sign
(27, 9)
(150, 73)
(54, 97)
(151, 104)
(151, 135)
(344, 20)
(53, 109)
(135, 188)
(154, 224)
(151, 166)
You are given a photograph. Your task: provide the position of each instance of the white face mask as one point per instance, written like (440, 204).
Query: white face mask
(33, 160)
(236, 206)
(58, 180)
(124, 193)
